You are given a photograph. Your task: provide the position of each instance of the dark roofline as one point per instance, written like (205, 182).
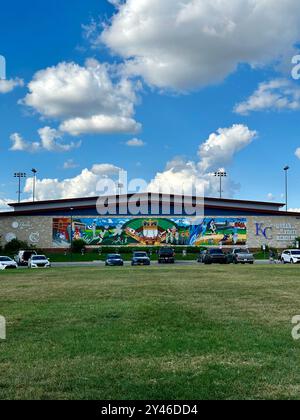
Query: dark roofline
(233, 209)
(72, 200)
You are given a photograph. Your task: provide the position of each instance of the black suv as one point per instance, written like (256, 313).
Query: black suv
(214, 256)
(166, 256)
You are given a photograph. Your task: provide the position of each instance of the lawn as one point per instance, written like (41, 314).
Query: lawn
(219, 332)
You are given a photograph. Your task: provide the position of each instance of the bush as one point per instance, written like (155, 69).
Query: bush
(14, 246)
(78, 245)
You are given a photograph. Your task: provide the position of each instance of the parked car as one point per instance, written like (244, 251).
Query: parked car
(166, 256)
(241, 256)
(7, 263)
(23, 257)
(140, 258)
(39, 261)
(214, 256)
(114, 260)
(291, 256)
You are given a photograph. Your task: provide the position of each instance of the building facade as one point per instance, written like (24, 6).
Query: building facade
(150, 220)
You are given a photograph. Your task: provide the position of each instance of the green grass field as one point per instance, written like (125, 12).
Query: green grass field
(220, 332)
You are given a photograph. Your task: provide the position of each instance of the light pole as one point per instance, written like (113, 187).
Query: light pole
(34, 172)
(71, 230)
(221, 175)
(19, 175)
(286, 170)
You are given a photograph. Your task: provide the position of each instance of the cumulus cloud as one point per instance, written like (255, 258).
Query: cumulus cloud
(82, 185)
(186, 44)
(218, 150)
(50, 141)
(86, 100)
(278, 95)
(135, 143)
(9, 85)
(297, 153)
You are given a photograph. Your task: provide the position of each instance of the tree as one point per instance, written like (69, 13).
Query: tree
(14, 246)
(78, 245)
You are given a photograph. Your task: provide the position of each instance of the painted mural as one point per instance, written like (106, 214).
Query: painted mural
(150, 231)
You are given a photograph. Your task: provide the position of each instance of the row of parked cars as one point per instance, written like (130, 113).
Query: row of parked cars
(28, 259)
(209, 256)
(167, 256)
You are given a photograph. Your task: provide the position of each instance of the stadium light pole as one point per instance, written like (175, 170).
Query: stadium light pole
(34, 172)
(286, 170)
(19, 175)
(220, 175)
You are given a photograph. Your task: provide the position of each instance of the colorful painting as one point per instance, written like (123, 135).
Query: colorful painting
(150, 231)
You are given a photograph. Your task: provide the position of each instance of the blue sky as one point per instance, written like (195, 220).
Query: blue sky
(176, 115)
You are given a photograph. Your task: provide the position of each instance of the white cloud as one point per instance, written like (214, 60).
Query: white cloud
(105, 169)
(136, 143)
(20, 145)
(219, 149)
(279, 95)
(82, 185)
(214, 153)
(4, 205)
(297, 153)
(271, 197)
(89, 99)
(186, 44)
(50, 141)
(70, 164)
(100, 124)
(7, 86)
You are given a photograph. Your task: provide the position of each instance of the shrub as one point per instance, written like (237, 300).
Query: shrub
(78, 245)
(14, 246)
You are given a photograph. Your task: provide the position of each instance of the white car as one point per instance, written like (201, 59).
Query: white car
(291, 256)
(7, 263)
(39, 261)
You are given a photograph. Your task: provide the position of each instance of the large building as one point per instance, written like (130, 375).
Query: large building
(155, 221)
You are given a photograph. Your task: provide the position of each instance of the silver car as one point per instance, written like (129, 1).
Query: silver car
(242, 256)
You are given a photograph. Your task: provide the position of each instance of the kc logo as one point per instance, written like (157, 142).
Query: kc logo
(266, 232)
(2, 68)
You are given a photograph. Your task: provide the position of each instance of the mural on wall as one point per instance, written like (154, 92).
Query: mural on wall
(150, 231)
